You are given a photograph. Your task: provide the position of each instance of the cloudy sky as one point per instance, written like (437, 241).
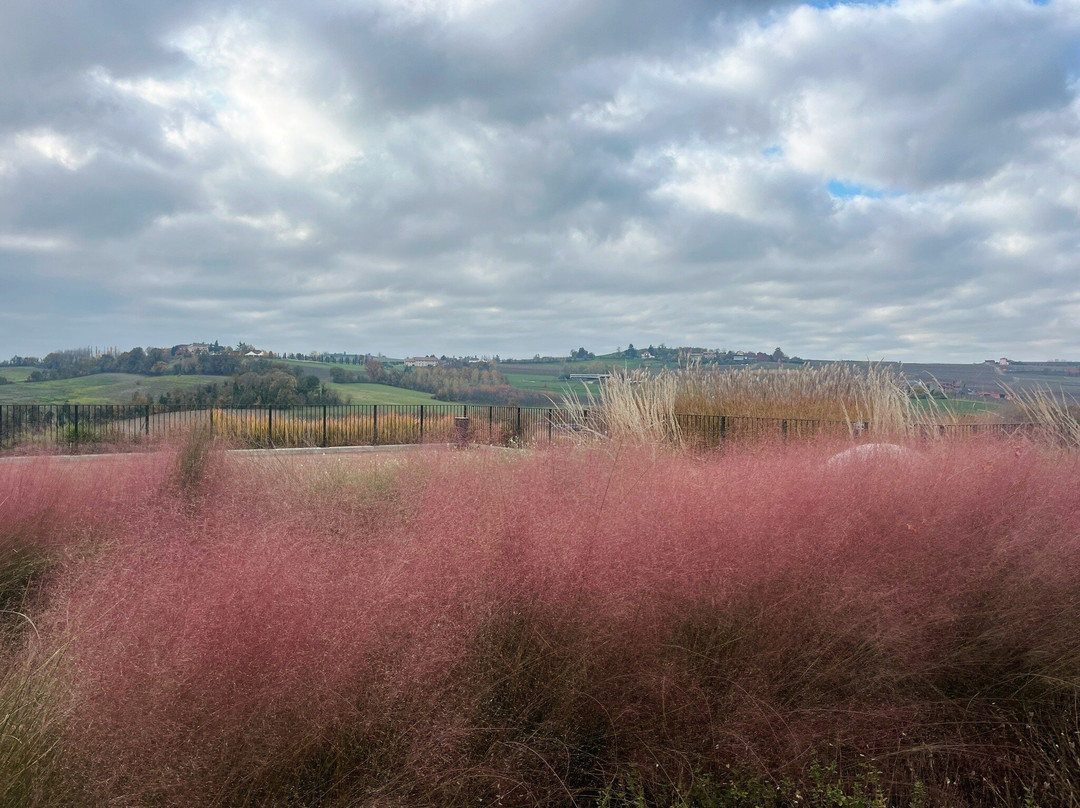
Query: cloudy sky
(895, 181)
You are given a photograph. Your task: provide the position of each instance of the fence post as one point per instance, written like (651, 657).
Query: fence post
(324, 426)
(550, 419)
(723, 429)
(783, 430)
(211, 422)
(517, 431)
(491, 424)
(75, 433)
(270, 427)
(421, 423)
(146, 429)
(374, 424)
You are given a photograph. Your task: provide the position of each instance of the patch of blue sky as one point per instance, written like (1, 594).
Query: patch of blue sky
(842, 189)
(773, 151)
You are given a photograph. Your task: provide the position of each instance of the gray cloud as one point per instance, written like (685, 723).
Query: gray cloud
(507, 176)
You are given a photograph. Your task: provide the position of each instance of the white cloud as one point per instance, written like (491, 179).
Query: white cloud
(254, 88)
(51, 145)
(862, 180)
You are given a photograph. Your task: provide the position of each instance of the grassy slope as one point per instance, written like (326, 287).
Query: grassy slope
(547, 385)
(964, 406)
(118, 388)
(100, 388)
(16, 374)
(363, 393)
(381, 394)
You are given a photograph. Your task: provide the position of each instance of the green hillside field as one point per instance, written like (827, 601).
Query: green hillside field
(16, 374)
(548, 385)
(100, 388)
(119, 388)
(381, 394)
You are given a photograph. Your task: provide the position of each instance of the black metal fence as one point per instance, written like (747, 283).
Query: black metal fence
(103, 427)
(713, 431)
(97, 427)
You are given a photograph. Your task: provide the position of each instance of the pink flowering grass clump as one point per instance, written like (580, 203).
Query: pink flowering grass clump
(52, 507)
(581, 626)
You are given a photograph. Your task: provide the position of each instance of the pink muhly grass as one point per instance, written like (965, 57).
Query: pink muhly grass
(50, 500)
(473, 626)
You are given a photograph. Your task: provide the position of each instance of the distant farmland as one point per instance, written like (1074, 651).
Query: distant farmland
(100, 388)
(366, 393)
(120, 388)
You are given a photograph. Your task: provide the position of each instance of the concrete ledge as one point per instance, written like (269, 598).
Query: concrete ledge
(286, 452)
(320, 450)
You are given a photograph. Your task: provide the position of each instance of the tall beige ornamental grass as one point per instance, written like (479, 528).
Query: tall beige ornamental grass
(643, 407)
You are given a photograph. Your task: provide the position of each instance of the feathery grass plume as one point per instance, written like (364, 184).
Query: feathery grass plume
(645, 407)
(632, 405)
(1056, 416)
(53, 513)
(192, 461)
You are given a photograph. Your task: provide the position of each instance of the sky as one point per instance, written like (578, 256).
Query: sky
(892, 181)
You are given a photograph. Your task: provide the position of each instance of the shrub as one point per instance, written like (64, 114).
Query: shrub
(622, 627)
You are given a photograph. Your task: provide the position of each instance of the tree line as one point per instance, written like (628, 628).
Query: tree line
(276, 386)
(142, 361)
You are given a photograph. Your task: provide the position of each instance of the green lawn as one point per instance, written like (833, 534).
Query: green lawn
(118, 388)
(963, 406)
(381, 394)
(548, 385)
(100, 388)
(16, 374)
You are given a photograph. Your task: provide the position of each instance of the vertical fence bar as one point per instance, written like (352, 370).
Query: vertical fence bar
(422, 422)
(270, 427)
(324, 426)
(374, 424)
